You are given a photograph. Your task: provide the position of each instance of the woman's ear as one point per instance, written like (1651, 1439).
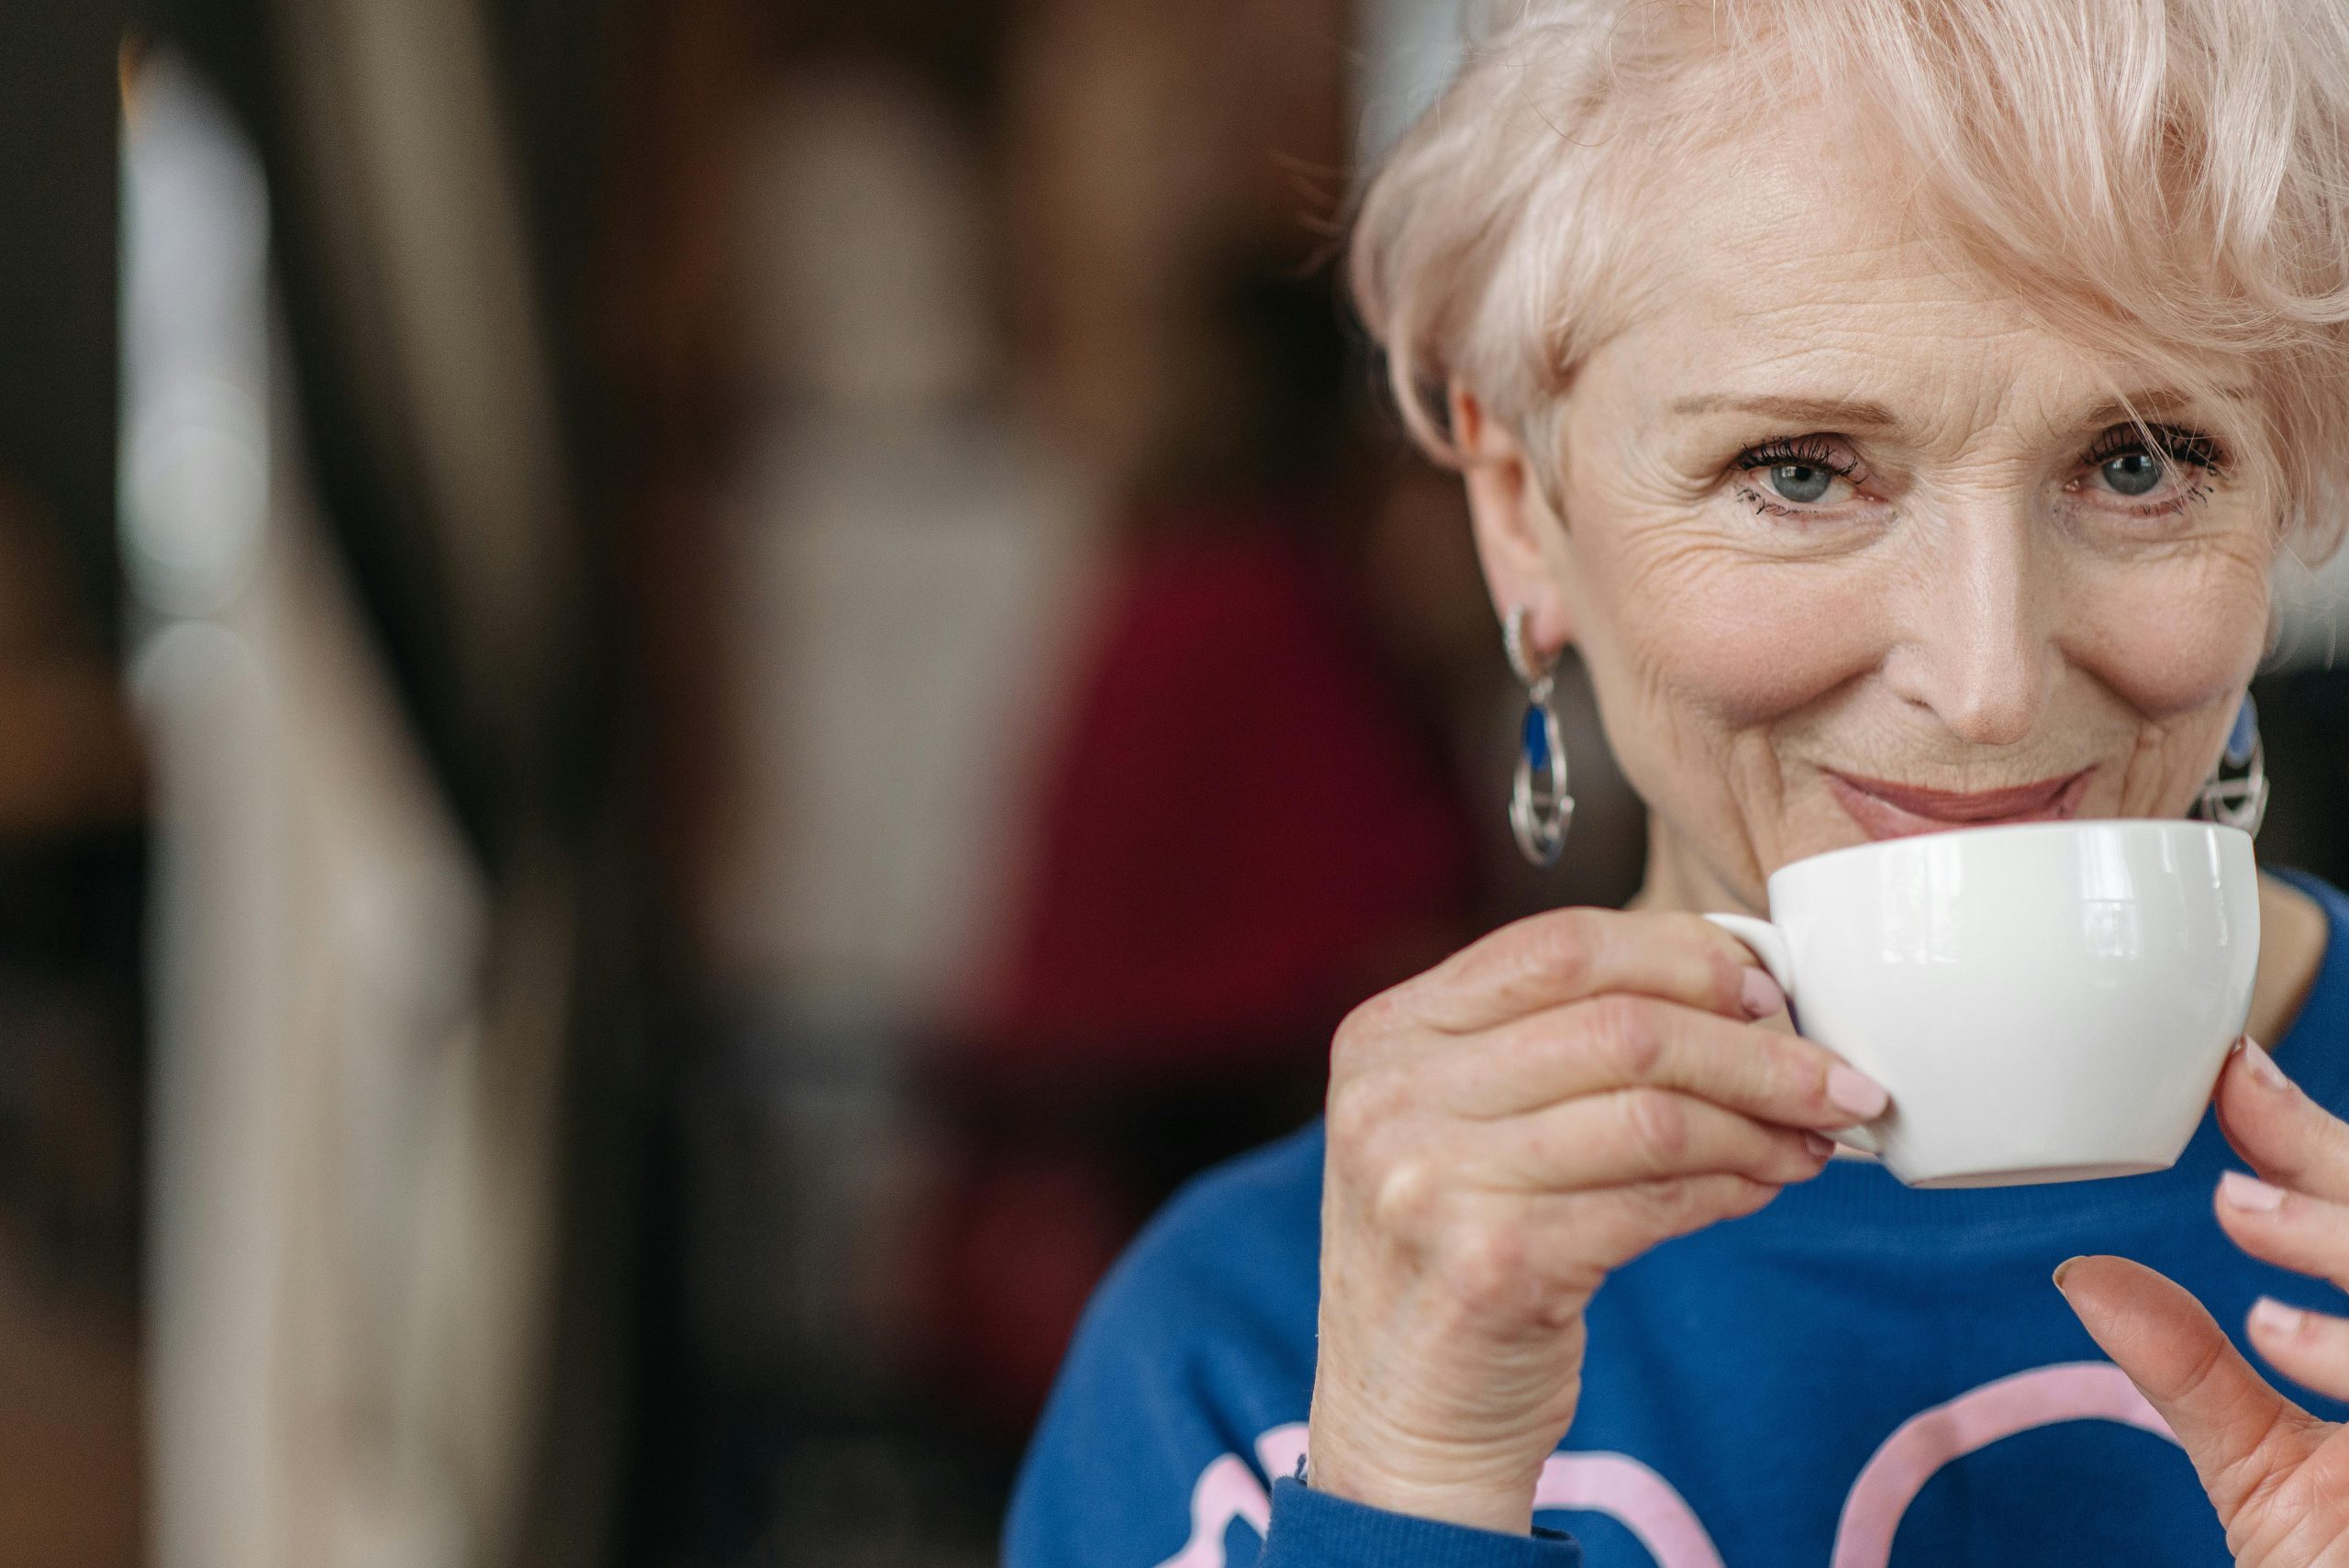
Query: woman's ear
(1515, 524)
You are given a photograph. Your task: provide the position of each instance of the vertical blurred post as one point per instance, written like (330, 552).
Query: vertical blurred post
(317, 925)
(388, 908)
(195, 495)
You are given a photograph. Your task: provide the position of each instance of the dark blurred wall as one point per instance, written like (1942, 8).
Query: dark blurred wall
(59, 110)
(70, 846)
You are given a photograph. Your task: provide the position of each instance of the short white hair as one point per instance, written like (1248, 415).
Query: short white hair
(2176, 169)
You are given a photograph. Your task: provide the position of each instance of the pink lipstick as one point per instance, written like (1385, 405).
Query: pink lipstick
(1887, 811)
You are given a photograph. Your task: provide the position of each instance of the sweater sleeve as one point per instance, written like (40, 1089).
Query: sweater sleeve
(1157, 1445)
(1180, 1408)
(1311, 1529)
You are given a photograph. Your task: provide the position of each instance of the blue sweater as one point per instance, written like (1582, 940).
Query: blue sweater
(1858, 1376)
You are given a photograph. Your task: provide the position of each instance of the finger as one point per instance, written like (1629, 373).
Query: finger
(1623, 1041)
(1636, 1135)
(1494, 1245)
(1566, 955)
(2239, 1431)
(2309, 1348)
(2287, 1138)
(1615, 1227)
(2307, 1235)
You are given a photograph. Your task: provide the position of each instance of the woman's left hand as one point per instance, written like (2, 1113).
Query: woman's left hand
(2278, 1477)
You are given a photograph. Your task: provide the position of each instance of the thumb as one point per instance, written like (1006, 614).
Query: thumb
(2240, 1432)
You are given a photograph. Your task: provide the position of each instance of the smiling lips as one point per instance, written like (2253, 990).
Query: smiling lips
(1888, 810)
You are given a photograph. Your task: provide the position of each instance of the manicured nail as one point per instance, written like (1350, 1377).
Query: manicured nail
(2062, 1269)
(2269, 1315)
(2240, 1191)
(2264, 1071)
(1855, 1093)
(1761, 993)
(1817, 1144)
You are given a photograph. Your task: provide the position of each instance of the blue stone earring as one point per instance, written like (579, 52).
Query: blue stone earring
(1540, 810)
(2238, 800)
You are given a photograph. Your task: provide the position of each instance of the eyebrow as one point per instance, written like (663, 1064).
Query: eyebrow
(1846, 414)
(1858, 414)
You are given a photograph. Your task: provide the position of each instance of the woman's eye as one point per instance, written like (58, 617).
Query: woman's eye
(2165, 471)
(2132, 473)
(1799, 482)
(1784, 475)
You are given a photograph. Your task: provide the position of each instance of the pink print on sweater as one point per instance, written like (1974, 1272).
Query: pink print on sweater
(1645, 1503)
(2071, 1391)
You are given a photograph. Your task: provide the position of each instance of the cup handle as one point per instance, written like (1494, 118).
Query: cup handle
(1769, 944)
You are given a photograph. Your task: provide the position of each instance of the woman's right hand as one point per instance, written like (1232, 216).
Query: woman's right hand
(1503, 1130)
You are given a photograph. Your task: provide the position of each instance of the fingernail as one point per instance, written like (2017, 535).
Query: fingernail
(2272, 1316)
(2062, 1269)
(1855, 1093)
(1761, 993)
(2264, 1071)
(2249, 1192)
(1818, 1145)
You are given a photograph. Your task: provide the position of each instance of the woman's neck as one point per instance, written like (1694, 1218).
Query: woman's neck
(1678, 879)
(2293, 932)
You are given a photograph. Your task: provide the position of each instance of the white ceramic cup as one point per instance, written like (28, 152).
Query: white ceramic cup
(2047, 1002)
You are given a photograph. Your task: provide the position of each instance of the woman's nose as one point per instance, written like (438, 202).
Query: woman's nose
(1977, 646)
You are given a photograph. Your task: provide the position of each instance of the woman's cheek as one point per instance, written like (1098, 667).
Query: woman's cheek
(1750, 643)
(2172, 636)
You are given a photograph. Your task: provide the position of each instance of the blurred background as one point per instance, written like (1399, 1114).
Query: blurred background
(693, 691)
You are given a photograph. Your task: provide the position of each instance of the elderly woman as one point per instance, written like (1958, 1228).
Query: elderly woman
(1900, 405)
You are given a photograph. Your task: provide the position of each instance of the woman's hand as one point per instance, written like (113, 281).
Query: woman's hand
(2278, 1477)
(1539, 1109)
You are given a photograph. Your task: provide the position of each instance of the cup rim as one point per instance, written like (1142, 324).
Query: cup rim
(2138, 824)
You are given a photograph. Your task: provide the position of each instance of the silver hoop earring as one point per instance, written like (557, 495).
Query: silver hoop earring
(1540, 810)
(2238, 799)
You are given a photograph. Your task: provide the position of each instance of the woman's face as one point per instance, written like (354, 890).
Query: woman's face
(1852, 550)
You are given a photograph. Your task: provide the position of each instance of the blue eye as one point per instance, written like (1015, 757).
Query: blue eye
(2132, 473)
(2132, 466)
(1800, 481)
(1801, 471)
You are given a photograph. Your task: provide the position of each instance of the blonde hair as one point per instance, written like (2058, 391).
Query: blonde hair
(2177, 170)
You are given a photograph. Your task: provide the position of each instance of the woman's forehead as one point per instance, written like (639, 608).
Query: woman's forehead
(1792, 273)
(1797, 232)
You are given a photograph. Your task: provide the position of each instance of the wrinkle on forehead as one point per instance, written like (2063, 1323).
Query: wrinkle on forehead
(1794, 268)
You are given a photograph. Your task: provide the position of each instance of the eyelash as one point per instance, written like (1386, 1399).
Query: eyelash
(1811, 451)
(2179, 447)
(2182, 448)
